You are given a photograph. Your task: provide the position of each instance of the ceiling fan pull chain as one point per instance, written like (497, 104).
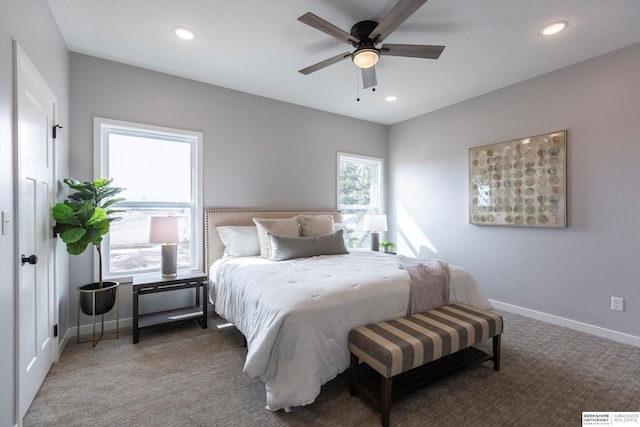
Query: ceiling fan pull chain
(358, 84)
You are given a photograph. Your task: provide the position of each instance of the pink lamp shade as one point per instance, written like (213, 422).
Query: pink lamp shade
(163, 229)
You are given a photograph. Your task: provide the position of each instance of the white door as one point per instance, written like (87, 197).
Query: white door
(36, 109)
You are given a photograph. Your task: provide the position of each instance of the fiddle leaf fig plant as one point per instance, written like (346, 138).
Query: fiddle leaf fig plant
(85, 216)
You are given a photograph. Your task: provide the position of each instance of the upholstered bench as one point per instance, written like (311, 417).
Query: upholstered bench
(400, 345)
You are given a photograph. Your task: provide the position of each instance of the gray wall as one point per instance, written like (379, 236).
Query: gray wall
(257, 152)
(571, 273)
(265, 153)
(31, 24)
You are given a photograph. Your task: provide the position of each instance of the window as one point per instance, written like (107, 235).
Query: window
(160, 169)
(360, 192)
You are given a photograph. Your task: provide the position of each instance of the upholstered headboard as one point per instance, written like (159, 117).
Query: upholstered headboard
(217, 217)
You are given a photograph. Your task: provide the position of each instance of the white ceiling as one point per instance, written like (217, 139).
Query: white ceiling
(258, 46)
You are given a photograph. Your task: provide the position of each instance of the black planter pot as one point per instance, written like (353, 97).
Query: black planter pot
(105, 297)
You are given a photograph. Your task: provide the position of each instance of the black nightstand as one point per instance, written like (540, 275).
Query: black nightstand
(154, 283)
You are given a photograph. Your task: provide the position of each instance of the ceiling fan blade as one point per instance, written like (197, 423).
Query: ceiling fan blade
(320, 65)
(412, 50)
(396, 16)
(328, 28)
(369, 77)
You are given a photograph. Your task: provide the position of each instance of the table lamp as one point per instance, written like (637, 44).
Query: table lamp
(164, 229)
(375, 224)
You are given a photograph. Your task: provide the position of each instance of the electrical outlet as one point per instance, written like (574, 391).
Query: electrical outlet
(617, 304)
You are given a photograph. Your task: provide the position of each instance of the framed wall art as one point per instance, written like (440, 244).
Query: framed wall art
(520, 183)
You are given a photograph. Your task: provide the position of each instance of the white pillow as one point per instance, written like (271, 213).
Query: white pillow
(313, 225)
(279, 227)
(239, 240)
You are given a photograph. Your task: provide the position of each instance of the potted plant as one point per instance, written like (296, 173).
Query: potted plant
(387, 246)
(82, 220)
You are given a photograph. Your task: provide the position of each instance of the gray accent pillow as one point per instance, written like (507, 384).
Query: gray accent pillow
(284, 248)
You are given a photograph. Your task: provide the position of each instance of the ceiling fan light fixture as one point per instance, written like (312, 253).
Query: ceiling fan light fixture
(365, 57)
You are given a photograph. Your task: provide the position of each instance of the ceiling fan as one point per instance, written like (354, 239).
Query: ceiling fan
(366, 35)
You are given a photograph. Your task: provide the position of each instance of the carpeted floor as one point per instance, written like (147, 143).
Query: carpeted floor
(182, 375)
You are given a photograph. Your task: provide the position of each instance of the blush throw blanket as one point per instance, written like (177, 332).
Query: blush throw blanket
(428, 283)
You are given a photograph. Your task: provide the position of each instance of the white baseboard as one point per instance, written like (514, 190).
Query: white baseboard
(62, 343)
(568, 323)
(88, 329)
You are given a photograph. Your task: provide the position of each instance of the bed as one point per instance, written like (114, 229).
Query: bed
(296, 313)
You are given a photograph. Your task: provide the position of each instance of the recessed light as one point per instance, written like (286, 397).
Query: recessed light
(554, 28)
(184, 33)
(391, 98)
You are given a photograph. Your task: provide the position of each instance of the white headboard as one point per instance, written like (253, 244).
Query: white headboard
(213, 218)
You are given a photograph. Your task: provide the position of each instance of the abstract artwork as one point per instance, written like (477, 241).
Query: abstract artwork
(520, 182)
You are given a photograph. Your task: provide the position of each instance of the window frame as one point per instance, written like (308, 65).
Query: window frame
(378, 162)
(101, 126)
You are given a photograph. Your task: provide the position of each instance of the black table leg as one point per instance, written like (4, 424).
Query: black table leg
(136, 332)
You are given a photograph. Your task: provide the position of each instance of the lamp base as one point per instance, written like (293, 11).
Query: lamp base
(375, 241)
(169, 260)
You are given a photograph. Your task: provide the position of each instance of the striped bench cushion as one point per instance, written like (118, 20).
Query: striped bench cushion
(398, 345)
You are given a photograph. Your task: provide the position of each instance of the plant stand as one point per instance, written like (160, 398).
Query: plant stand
(93, 293)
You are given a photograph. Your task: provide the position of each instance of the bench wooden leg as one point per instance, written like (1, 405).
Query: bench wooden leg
(385, 399)
(496, 352)
(353, 374)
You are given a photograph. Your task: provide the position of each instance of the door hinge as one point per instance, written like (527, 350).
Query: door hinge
(55, 130)
(55, 330)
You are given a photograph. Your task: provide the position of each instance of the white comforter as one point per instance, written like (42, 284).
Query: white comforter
(296, 315)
